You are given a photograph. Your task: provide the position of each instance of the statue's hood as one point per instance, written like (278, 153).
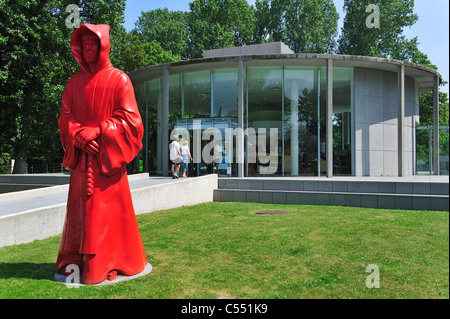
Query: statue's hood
(102, 31)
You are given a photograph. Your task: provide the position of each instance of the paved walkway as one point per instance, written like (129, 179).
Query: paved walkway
(51, 196)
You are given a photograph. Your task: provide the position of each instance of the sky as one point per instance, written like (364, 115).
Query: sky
(432, 28)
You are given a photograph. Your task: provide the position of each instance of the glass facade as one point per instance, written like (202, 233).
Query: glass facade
(304, 121)
(424, 148)
(343, 157)
(263, 112)
(283, 120)
(149, 99)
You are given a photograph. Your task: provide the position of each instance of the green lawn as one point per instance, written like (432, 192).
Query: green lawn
(226, 250)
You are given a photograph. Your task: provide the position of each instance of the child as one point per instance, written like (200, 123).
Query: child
(186, 155)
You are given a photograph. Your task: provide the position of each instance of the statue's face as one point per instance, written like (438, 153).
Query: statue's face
(91, 47)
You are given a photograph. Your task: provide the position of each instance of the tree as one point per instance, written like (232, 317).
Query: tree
(214, 24)
(263, 21)
(30, 41)
(168, 28)
(426, 108)
(386, 40)
(308, 26)
(35, 67)
(138, 55)
(131, 54)
(426, 118)
(111, 12)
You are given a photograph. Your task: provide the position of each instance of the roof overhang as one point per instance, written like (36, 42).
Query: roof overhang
(423, 75)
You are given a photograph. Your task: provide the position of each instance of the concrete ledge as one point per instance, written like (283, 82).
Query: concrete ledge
(32, 225)
(181, 192)
(44, 222)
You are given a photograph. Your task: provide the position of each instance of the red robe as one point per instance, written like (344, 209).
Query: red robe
(100, 233)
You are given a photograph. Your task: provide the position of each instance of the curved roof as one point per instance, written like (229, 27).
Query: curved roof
(423, 75)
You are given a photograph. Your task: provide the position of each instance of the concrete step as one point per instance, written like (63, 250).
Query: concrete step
(335, 198)
(413, 186)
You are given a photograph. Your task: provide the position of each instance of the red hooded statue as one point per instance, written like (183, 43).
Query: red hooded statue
(101, 131)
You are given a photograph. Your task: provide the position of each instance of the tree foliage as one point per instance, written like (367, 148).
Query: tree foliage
(31, 45)
(213, 24)
(384, 41)
(168, 28)
(208, 25)
(387, 40)
(305, 26)
(35, 67)
(131, 53)
(426, 108)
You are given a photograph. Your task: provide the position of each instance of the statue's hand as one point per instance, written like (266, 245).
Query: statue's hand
(92, 148)
(88, 133)
(85, 137)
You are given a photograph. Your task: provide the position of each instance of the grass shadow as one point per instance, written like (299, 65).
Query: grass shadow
(27, 270)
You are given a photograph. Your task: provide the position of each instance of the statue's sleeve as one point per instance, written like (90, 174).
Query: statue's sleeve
(68, 128)
(121, 134)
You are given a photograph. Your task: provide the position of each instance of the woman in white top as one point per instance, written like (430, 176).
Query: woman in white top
(186, 155)
(175, 158)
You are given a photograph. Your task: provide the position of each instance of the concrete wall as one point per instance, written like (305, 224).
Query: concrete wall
(32, 225)
(376, 115)
(44, 222)
(179, 193)
(254, 49)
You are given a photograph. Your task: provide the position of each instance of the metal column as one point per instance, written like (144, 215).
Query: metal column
(400, 118)
(240, 135)
(165, 122)
(146, 132)
(329, 120)
(436, 125)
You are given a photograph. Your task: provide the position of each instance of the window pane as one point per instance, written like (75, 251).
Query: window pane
(225, 93)
(301, 125)
(149, 98)
(342, 129)
(197, 94)
(264, 111)
(175, 102)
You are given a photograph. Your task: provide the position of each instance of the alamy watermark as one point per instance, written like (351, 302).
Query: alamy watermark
(373, 20)
(220, 148)
(73, 279)
(73, 19)
(373, 280)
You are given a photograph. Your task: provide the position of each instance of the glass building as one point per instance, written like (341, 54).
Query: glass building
(262, 110)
